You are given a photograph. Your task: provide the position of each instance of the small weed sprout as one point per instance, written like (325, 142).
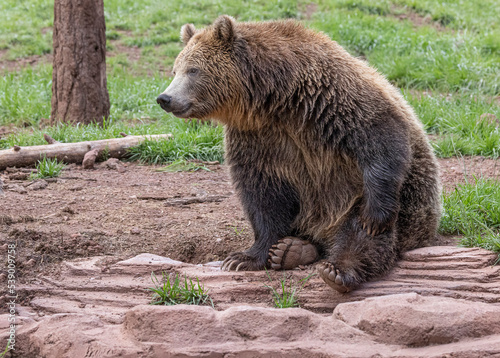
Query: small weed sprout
(237, 231)
(2, 354)
(171, 291)
(286, 295)
(104, 154)
(47, 168)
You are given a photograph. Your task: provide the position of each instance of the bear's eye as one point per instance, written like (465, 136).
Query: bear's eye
(192, 71)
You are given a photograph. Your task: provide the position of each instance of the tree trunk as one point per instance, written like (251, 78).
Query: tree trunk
(79, 92)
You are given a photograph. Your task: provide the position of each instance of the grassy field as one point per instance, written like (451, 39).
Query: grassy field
(445, 57)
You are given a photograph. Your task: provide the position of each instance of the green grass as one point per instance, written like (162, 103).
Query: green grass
(47, 168)
(453, 112)
(150, 25)
(286, 296)
(171, 291)
(458, 14)
(418, 57)
(462, 58)
(456, 118)
(182, 165)
(481, 143)
(453, 15)
(473, 210)
(191, 141)
(25, 95)
(25, 27)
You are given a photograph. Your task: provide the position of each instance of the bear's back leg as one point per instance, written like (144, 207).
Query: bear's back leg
(353, 256)
(420, 203)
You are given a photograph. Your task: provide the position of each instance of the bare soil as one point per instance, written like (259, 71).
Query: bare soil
(104, 212)
(457, 171)
(22, 62)
(416, 19)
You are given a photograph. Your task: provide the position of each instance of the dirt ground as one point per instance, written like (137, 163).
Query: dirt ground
(193, 217)
(105, 212)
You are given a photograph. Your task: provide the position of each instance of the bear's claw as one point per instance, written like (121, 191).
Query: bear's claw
(332, 277)
(376, 224)
(240, 261)
(291, 252)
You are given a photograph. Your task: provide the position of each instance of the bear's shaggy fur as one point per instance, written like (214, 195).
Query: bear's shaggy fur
(319, 144)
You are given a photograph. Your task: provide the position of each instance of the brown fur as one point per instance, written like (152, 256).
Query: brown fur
(320, 145)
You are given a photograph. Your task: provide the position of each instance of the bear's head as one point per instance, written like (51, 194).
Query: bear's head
(206, 78)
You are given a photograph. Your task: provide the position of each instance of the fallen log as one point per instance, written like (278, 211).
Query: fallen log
(71, 152)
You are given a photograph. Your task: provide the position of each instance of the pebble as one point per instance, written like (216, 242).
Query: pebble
(17, 188)
(38, 185)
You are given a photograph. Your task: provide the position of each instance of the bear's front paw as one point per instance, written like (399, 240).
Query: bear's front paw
(241, 261)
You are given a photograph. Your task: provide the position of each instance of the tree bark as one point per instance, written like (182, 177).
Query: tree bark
(79, 91)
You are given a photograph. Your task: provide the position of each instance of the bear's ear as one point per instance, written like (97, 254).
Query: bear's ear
(187, 31)
(224, 28)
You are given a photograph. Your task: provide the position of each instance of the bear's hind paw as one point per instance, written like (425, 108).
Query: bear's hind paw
(332, 277)
(291, 252)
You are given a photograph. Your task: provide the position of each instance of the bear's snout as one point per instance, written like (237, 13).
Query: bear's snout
(164, 101)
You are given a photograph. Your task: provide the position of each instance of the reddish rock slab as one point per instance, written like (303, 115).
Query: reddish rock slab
(245, 331)
(439, 301)
(416, 321)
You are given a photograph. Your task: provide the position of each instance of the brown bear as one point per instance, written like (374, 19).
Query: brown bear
(320, 147)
